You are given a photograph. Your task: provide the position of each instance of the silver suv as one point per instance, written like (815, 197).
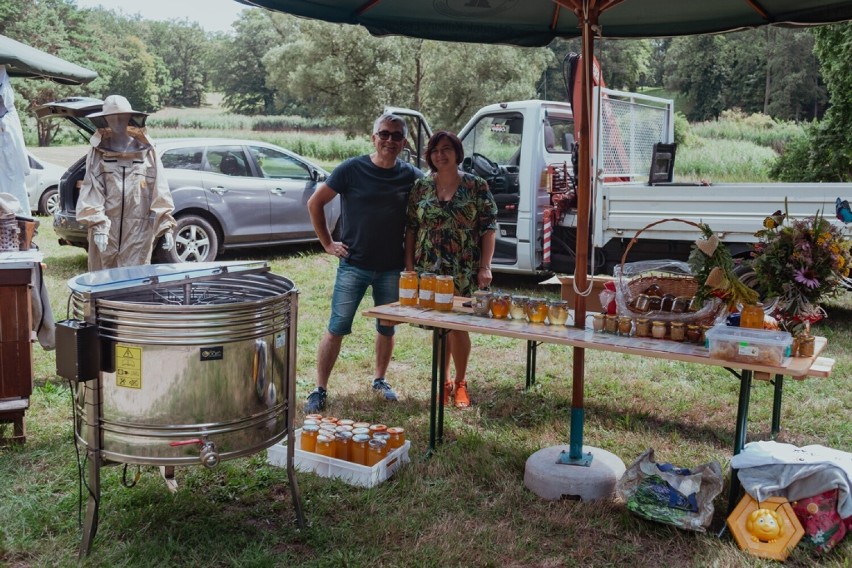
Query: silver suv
(228, 193)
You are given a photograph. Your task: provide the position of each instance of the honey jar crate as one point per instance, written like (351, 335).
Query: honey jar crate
(348, 472)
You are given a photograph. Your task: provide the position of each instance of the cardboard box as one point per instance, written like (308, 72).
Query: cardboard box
(351, 473)
(593, 302)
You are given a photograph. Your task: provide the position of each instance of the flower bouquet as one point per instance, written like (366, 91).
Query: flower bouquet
(800, 263)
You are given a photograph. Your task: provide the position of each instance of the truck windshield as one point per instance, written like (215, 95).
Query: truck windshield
(497, 137)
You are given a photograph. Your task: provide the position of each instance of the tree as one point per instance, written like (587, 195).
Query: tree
(694, 69)
(182, 46)
(237, 64)
(825, 154)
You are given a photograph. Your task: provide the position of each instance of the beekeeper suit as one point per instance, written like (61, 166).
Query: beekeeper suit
(125, 199)
(14, 163)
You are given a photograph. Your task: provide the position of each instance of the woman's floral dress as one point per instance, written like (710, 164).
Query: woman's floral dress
(448, 233)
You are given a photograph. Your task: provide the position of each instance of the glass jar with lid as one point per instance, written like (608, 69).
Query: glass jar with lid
(678, 331)
(518, 307)
(427, 290)
(751, 316)
(325, 445)
(396, 437)
(481, 302)
(658, 329)
(557, 312)
(358, 449)
(643, 327)
(408, 288)
(308, 438)
(444, 290)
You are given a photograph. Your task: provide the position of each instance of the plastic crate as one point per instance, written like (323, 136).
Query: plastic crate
(351, 473)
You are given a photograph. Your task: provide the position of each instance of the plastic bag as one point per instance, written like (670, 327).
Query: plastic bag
(633, 279)
(669, 494)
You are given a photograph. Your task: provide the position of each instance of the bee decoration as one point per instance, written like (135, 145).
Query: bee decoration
(774, 220)
(844, 213)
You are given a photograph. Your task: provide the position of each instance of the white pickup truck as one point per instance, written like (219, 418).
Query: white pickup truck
(524, 149)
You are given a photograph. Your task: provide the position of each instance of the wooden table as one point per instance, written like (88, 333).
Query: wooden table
(461, 319)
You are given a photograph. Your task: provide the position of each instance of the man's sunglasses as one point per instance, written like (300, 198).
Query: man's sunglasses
(385, 134)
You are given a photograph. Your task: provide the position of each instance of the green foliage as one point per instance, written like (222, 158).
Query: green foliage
(827, 154)
(693, 69)
(683, 135)
(757, 128)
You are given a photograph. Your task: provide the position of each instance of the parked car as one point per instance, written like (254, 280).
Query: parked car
(228, 193)
(43, 186)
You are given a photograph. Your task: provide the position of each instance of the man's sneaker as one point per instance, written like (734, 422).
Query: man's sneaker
(381, 387)
(316, 401)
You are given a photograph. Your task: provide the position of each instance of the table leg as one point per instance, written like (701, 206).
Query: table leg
(531, 355)
(776, 405)
(439, 376)
(740, 435)
(442, 381)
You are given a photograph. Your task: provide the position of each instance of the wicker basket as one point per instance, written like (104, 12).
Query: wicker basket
(672, 283)
(9, 234)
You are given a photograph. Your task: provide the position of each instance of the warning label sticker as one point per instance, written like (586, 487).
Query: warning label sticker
(128, 366)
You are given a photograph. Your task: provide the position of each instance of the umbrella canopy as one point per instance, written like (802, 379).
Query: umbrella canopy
(24, 61)
(537, 22)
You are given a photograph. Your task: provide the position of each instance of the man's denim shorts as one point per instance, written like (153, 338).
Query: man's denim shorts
(350, 286)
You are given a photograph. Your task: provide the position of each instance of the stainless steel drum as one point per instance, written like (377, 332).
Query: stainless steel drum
(196, 363)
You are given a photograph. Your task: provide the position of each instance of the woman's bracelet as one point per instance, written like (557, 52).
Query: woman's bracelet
(485, 268)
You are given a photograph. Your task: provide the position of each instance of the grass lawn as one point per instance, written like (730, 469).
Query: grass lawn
(465, 506)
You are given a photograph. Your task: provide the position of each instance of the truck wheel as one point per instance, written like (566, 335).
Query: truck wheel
(48, 203)
(195, 241)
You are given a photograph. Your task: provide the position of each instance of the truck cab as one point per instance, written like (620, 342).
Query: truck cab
(510, 145)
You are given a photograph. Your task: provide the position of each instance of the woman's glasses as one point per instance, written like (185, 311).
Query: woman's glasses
(385, 134)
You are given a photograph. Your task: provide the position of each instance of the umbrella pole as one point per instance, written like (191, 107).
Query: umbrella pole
(588, 17)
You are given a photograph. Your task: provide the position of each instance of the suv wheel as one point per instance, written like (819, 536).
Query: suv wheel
(48, 203)
(195, 241)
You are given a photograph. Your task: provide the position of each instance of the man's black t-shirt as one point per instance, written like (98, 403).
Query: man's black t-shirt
(373, 203)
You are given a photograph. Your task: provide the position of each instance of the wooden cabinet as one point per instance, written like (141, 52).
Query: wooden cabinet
(16, 360)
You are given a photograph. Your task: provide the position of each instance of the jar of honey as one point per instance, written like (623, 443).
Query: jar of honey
(325, 445)
(361, 430)
(500, 305)
(396, 438)
(314, 417)
(427, 290)
(383, 436)
(408, 288)
(361, 425)
(376, 452)
(537, 310)
(444, 293)
(643, 327)
(327, 427)
(678, 331)
(557, 312)
(343, 428)
(358, 449)
(806, 345)
(346, 422)
(342, 445)
(658, 329)
(681, 304)
(308, 438)
(751, 316)
(374, 428)
(328, 419)
(625, 326)
(693, 333)
(518, 307)
(611, 323)
(598, 322)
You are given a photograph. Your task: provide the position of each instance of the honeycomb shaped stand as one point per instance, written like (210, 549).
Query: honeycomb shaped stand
(769, 529)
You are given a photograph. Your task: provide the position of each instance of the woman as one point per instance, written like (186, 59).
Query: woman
(452, 217)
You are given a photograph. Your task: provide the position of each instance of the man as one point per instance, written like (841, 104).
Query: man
(374, 194)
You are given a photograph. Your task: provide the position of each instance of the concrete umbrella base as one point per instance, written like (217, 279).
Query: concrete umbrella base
(551, 480)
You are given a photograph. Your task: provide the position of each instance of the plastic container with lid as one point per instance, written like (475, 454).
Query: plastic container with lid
(755, 346)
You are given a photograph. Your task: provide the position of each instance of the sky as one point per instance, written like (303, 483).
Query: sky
(212, 15)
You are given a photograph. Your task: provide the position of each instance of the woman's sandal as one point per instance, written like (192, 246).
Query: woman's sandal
(448, 392)
(462, 399)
